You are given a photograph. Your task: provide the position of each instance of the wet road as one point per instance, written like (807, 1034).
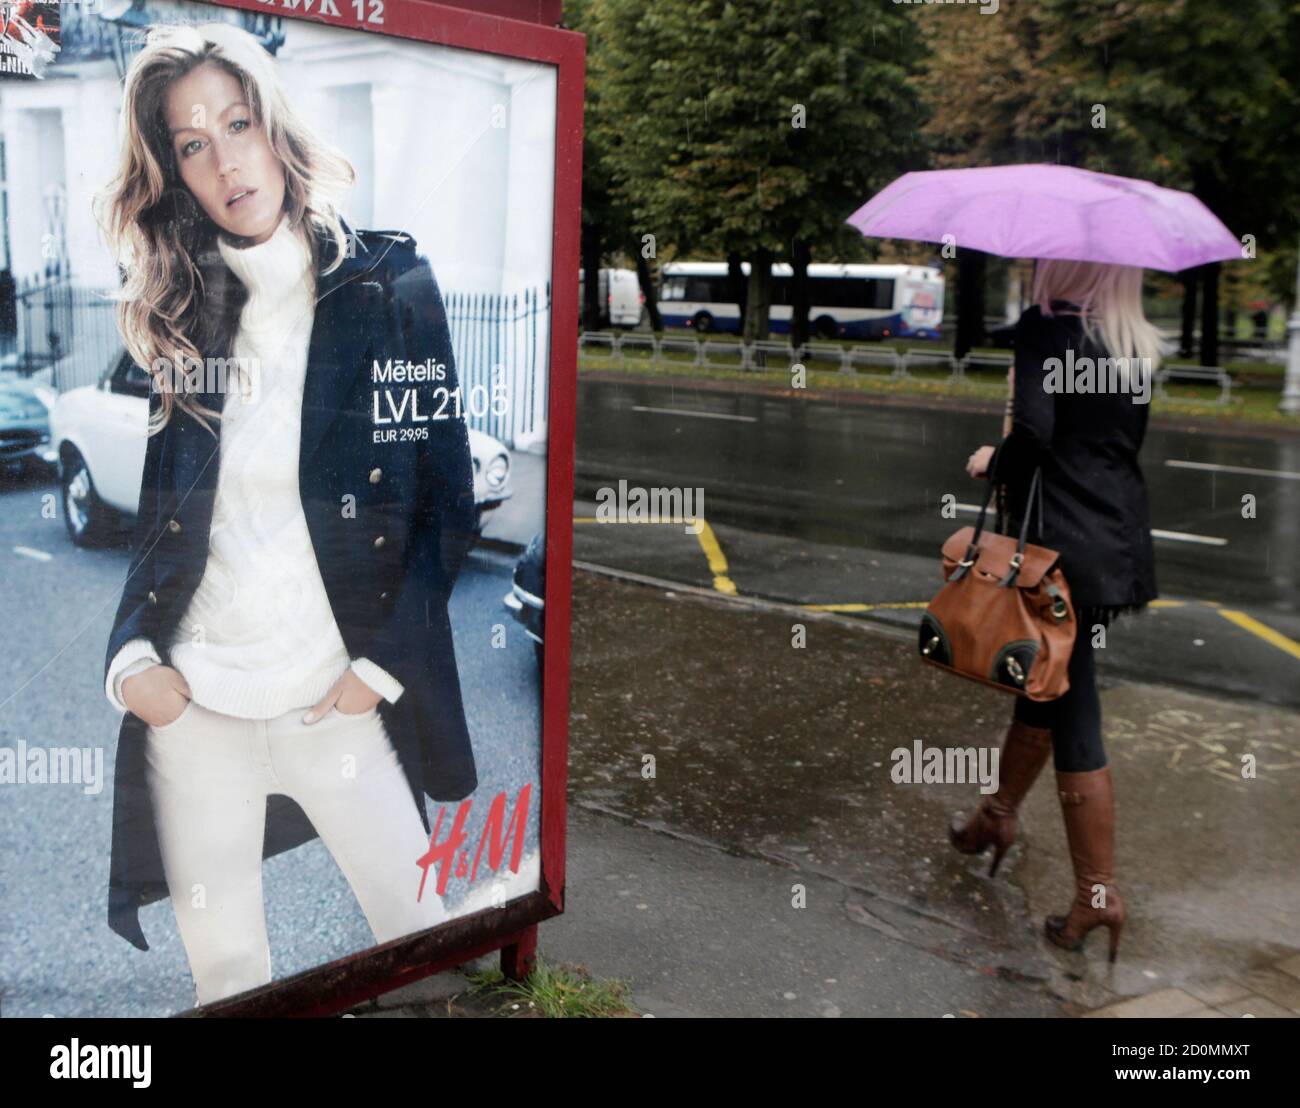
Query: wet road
(840, 504)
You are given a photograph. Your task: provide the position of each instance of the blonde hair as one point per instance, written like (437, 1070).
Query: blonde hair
(156, 229)
(1108, 299)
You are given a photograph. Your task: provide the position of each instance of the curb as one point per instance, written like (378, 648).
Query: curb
(759, 603)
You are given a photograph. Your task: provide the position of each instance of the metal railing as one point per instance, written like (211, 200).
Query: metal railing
(66, 327)
(660, 351)
(1193, 375)
(503, 340)
(633, 347)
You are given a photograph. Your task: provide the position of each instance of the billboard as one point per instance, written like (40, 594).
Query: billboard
(289, 450)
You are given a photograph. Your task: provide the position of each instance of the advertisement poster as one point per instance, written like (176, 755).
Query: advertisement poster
(275, 315)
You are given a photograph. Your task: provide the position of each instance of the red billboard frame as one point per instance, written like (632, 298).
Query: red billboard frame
(531, 11)
(345, 982)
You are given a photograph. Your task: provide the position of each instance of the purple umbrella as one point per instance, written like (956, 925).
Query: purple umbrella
(1050, 211)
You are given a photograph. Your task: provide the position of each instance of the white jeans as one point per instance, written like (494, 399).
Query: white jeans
(209, 776)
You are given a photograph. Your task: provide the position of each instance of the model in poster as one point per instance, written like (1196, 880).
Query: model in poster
(283, 631)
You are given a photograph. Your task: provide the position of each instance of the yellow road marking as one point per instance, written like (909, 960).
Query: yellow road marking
(864, 607)
(1274, 638)
(717, 560)
(708, 543)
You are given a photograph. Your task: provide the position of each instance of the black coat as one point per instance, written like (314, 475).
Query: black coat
(389, 597)
(1094, 498)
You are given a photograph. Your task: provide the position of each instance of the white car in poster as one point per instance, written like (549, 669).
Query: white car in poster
(99, 434)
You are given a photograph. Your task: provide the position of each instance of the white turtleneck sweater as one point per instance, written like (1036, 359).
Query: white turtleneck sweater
(259, 636)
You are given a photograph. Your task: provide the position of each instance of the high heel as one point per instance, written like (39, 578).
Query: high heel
(994, 823)
(1088, 807)
(998, 850)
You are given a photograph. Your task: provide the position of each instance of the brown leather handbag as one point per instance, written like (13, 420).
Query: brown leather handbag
(1004, 618)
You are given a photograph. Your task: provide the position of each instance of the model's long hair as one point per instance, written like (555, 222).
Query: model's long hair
(1109, 301)
(163, 240)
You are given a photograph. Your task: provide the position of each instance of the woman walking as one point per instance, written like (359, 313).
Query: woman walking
(1095, 513)
(283, 629)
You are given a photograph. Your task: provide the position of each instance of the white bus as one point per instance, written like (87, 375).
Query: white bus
(846, 301)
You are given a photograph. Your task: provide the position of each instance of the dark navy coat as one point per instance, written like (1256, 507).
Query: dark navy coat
(1095, 509)
(388, 566)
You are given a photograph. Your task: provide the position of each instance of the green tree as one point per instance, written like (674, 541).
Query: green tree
(750, 129)
(1020, 87)
(1194, 94)
(607, 222)
(1217, 110)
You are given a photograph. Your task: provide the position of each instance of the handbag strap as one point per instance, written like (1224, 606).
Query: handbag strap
(1017, 559)
(972, 550)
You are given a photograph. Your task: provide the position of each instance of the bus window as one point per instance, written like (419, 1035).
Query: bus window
(674, 289)
(844, 292)
(840, 292)
(882, 293)
(697, 289)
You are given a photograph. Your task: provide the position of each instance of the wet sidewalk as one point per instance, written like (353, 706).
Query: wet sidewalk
(737, 845)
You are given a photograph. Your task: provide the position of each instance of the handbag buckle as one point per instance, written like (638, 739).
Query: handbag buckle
(928, 648)
(1016, 670)
(1013, 569)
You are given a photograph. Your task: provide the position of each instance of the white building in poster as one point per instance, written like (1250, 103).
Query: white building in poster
(451, 146)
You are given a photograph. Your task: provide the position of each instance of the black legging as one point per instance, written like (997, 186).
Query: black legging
(1075, 718)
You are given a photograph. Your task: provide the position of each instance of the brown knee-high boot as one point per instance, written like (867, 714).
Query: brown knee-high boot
(1088, 805)
(1024, 753)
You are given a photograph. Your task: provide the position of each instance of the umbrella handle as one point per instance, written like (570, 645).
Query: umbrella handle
(1011, 397)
